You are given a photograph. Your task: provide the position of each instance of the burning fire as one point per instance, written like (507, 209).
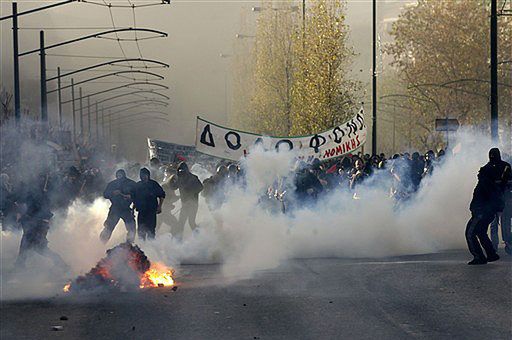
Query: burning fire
(125, 267)
(158, 275)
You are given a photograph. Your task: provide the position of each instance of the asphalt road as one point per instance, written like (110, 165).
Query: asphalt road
(435, 296)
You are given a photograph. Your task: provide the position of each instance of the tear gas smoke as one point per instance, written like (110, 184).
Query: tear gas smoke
(246, 237)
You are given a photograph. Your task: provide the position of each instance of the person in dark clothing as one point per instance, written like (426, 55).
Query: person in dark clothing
(148, 199)
(7, 203)
(359, 175)
(486, 203)
(71, 187)
(34, 216)
(119, 192)
(215, 188)
(417, 168)
(189, 187)
(307, 185)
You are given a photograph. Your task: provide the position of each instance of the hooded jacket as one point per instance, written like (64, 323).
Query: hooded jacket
(146, 194)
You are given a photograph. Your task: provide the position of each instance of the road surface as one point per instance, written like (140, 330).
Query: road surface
(433, 296)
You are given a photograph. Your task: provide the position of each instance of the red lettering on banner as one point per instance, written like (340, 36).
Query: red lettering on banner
(339, 150)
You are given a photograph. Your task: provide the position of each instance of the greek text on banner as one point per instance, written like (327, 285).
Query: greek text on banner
(222, 142)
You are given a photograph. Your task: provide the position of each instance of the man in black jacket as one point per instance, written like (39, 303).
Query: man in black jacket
(189, 186)
(34, 216)
(486, 203)
(148, 199)
(119, 192)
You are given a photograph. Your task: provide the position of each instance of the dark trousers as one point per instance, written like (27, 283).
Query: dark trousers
(476, 235)
(114, 215)
(146, 220)
(34, 240)
(505, 222)
(188, 212)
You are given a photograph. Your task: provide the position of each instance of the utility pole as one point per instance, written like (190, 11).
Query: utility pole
(374, 81)
(14, 16)
(103, 124)
(97, 123)
(394, 128)
(494, 71)
(17, 104)
(60, 97)
(73, 108)
(109, 131)
(42, 65)
(81, 115)
(89, 118)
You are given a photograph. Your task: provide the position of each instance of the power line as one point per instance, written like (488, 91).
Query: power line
(85, 56)
(110, 5)
(114, 27)
(66, 28)
(135, 32)
(128, 39)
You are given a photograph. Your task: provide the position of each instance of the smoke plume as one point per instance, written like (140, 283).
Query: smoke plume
(245, 237)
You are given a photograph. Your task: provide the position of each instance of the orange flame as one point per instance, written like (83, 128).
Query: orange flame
(67, 287)
(159, 275)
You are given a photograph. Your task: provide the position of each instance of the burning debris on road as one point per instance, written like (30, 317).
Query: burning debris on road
(125, 267)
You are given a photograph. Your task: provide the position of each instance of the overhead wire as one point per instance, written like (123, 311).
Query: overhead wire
(135, 31)
(109, 6)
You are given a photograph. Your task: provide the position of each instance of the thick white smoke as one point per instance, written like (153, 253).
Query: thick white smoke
(246, 237)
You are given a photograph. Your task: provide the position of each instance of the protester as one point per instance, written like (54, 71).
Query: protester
(189, 187)
(34, 216)
(359, 175)
(486, 203)
(148, 199)
(170, 185)
(119, 192)
(214, 188)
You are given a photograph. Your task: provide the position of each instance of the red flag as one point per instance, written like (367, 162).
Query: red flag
(331, 170)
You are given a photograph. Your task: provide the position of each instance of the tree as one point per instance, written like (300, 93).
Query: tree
(322, 96)
(273, 75)
(441, 51)
(299, 83)
(243, 64)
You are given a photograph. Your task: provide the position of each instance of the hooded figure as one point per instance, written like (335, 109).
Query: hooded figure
(148, 199)
(120, 194)
(189, 187)
(35, 215)
(486, 203)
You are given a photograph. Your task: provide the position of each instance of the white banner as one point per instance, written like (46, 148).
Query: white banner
(222, 142)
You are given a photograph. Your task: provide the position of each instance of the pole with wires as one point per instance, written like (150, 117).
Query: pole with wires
(59, 97)
(73, 108)
(81, 115)
(17, 104)
(374, 81)
(42, 66)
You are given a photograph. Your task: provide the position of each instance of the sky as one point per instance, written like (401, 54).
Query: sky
(199, 79)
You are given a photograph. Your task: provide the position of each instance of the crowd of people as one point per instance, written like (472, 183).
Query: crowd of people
(28, 203)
